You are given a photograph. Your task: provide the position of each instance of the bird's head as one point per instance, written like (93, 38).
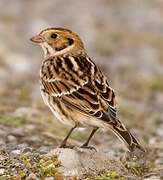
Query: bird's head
(58, 41)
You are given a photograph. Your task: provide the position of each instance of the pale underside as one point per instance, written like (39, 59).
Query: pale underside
(75, 117)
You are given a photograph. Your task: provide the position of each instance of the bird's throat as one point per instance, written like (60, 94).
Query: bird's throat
(48, 50)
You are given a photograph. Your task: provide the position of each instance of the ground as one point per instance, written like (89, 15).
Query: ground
(124, 38)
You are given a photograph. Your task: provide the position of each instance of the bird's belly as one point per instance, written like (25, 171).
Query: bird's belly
(87, 121)
(60, 116)
(69, 116)
(57, 109)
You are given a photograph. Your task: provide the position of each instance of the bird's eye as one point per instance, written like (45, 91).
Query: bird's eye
(54, 36)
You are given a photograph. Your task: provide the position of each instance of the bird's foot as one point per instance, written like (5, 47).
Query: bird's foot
(88, 147)
(66, 146)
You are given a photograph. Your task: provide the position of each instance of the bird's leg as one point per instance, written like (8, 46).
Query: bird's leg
(85, 145)
(63, 144)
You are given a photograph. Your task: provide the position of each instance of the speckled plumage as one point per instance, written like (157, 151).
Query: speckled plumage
(75, 89)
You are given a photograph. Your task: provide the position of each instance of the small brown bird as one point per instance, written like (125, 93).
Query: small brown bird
(75, 89)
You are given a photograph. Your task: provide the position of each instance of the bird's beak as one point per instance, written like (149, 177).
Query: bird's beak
(37, 39)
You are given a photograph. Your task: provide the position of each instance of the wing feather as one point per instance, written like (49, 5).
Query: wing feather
(85, 89)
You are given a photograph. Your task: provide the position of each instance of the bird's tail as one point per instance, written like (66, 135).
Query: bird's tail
(126, 137)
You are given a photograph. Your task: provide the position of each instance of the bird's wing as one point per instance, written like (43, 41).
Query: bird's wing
(77, 82)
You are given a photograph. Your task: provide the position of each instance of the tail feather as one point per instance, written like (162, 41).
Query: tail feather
(127, 138)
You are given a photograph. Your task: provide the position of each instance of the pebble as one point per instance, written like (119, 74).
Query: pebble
(18, 132)
(25, 171)
(24, 112)
(152, 178)
(15, 153)
(27, 149)
(11, 138)
(2, 171)
(15, 165)
(22, 146)
(34, 140)
(160, 132)
(32, 176)
(2, 143)
(2, 132)
(41, 152)
(49, 178)
(44, 149)
(159, 161)
(29, 127)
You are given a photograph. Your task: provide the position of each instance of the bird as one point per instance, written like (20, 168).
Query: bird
(76, 90)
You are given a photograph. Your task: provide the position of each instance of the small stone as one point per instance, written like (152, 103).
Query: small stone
(18, 165)
(18, 132)
(30, 127)
(15, 165)
(160, 132)
(32, 176)
(25, 171)
(2, 143)
(27, 149)
(160, 154)
(2, 132)
(152, 178)
(34, 140)
(22, 146)
(41, 152)
(15, 153)
(159, 161)
(2, 171)
(49, 178)
(11, 138)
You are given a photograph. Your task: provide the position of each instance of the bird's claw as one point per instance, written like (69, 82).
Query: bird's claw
(88, 147)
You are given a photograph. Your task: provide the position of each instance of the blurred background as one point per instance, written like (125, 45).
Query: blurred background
(125, 39)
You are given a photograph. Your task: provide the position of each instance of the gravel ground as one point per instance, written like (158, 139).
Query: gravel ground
(124, 38)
